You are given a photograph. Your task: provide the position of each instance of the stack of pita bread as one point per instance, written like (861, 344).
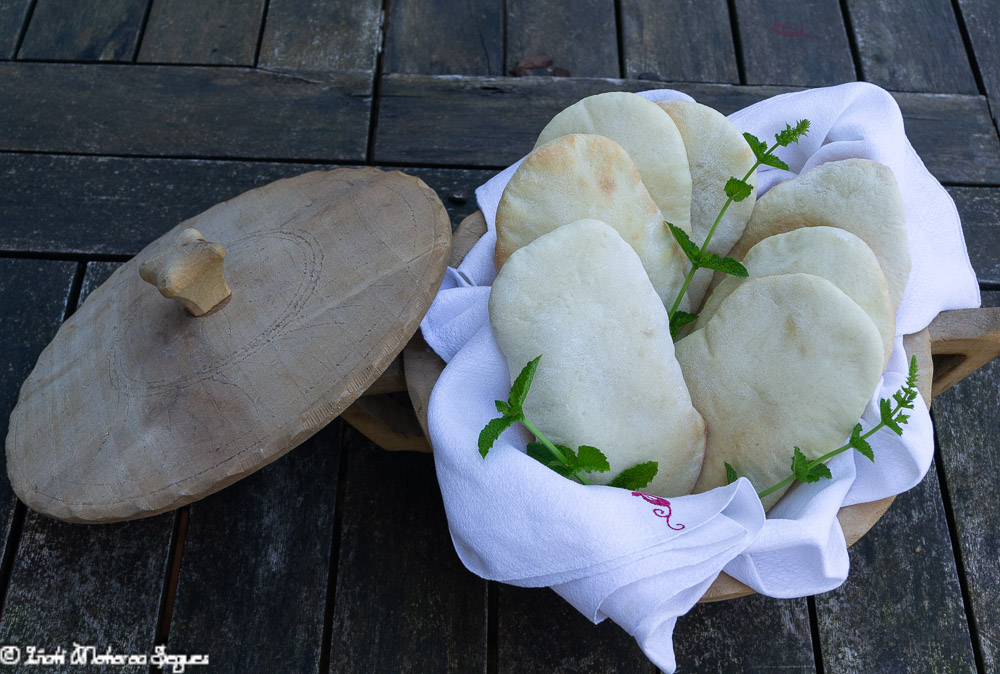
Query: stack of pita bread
(587, 270)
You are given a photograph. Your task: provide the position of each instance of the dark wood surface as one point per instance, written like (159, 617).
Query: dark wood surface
(121, 118)
(202, 33)
(85, 30)
(911, 45)
(792, 42)
(678, 41)
(445, 38)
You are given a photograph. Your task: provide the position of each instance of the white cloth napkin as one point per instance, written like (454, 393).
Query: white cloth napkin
(644, 561)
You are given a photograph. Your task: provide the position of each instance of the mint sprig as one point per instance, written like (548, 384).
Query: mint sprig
(737, 189)
(561, 459)
(636, 477)
(891, 417)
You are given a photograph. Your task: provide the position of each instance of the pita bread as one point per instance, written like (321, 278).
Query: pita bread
(858, 195)
(716, 151)
(584, 176)
(786, 361)
(648, 135)
(608, 377)
(829, 252)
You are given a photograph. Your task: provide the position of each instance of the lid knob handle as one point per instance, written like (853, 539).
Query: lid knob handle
(190, 271)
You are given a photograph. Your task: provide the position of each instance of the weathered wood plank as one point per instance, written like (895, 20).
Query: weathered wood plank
(445, 38)
(97, 273)
(752, 633)
(33, 296)
(966, 418)
(979, 208)
(793, 42)
(33, 299)
(190, 111)
(952, 136)
(911, 45)
(205, 33)
(435, 120)
(904, 588)
(256, 563)
(320, 35)
(537, 631)
(455, 187)
(678, 41)
(580, 37)
(97, 586)
(84, 30)
(116, 206)
(13, 14)
(403, 600)
(982, 21)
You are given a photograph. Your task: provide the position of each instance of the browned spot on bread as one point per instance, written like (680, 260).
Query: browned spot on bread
(790, 327)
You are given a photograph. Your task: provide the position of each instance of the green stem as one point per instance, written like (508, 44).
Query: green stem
(694, 265)
(552, 448)
(687, 281)
(775, 487)
(826, 457)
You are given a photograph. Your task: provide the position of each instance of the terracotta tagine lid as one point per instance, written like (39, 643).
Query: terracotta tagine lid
(287, 303)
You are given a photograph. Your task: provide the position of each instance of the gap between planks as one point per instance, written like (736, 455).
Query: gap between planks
(171, 579)
(13, 542)
(326, 643)
(956, 546)
(377, 84)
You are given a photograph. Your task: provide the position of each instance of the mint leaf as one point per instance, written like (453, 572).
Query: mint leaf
(491, 432)
(885, 410)
(800, 466)
(687, 245)
(726, 265)
(791, 135)
(804, 473)
(636, 477)
(519, 389)
(543, 455)
(911, 379)
(758, 146)
(592, 460)
(502, 407)
(889, 418)
(820, 472)
(569, 454)
(559, 467)
(731, 475)
(737, 189)
(772, 160)
(860, 444)
(679, 320)
(539, 452)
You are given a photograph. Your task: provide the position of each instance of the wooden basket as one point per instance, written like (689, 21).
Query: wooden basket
(953, 346)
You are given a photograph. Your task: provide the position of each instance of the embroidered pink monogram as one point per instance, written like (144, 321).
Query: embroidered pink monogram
(659, 512)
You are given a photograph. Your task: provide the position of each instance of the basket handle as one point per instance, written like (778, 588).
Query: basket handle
(962, 341)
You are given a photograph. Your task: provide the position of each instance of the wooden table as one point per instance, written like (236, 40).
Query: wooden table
(119, 118)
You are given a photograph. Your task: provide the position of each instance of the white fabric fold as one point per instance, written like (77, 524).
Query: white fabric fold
(644, 561)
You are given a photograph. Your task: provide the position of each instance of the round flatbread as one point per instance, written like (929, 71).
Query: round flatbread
(607, 377)
(829, 252)
(585, 176)
(716, 151)
(785, 361)
(648, 135)
(858, 195)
